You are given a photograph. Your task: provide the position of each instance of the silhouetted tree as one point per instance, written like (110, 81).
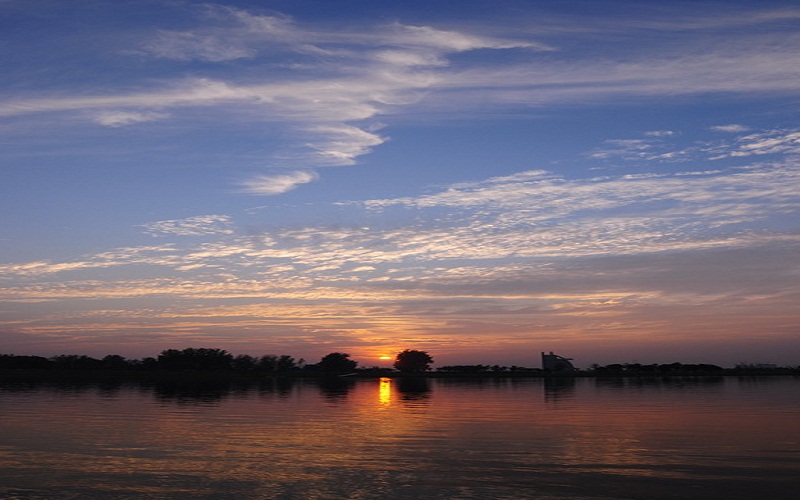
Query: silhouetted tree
(195, 359)
(13, 361)
(268, 363)
(76, 362)
(286, 363)
(413, 361)
(115, 362)
(244, 363)
(464, 368)
(338, 362)
(148, 363)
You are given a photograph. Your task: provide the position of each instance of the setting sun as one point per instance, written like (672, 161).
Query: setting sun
(384, 357)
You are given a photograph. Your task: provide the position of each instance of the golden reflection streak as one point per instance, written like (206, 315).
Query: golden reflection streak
(384, 392)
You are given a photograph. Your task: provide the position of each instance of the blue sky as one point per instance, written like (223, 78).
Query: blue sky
(614, 181)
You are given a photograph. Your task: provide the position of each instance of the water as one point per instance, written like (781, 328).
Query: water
(724, 438)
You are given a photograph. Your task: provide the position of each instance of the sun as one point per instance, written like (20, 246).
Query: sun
(384, 357)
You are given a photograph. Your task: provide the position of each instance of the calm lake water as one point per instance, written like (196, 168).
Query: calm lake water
(720, 438)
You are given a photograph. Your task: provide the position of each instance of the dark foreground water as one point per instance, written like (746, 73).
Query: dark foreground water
(722, 438)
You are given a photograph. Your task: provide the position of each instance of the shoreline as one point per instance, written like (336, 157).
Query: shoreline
(27, 374)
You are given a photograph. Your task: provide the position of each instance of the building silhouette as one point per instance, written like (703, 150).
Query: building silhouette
(553, 363)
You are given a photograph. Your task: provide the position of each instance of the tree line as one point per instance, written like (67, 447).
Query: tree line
(407, 361)
(212, 360)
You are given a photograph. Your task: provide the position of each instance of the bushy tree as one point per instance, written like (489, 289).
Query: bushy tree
(338, 362)
(411, 360)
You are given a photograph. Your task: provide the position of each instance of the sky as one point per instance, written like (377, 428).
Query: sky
(614, 181)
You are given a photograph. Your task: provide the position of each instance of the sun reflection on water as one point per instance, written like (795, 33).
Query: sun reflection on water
(500, 438)
(384, 392)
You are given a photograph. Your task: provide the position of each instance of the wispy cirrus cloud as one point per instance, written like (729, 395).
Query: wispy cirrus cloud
(652, 148)
(772, 142)
(187, 46)
(340, 80)
(660, 133)
(347, 77)
(228, 33)
(530, 253)
(733, 128)
(528, 215)
(151, 255)
(276, 184)
(120, 118)
(648, 149)
(191, 226)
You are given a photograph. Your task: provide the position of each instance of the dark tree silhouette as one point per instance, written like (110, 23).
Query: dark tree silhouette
(244, 363)
(75, 362)
(338, 362)
(268, 363)
(115, 362)
(272, 363)
(286, 363)
(412, 360)
(465, 368)
(195, 359)
(13, 361)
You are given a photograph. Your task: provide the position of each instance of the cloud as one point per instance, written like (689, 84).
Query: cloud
(276, 184)
(185, 46)
(753, 67)
(773, 142)
(191, 226)
(512, 218)
(340, 78)
(184, 92)
(118, 118)
(778, 141)
(387, 60)
(151, 255)
(732, 128)
(660, 133)
(531, 253)
(336, 81)
(550, 216)
(625, 148)
(227, 34)
(341, 144)
(452, 41)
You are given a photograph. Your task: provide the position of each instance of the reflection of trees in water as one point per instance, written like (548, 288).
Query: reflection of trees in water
(191, 392)
(335, 389)
(211, 391)
(558, 388)
(667, 383)
(188, 390)
(277, 386)
(106, 388)
(416, 389)
(478, 382)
